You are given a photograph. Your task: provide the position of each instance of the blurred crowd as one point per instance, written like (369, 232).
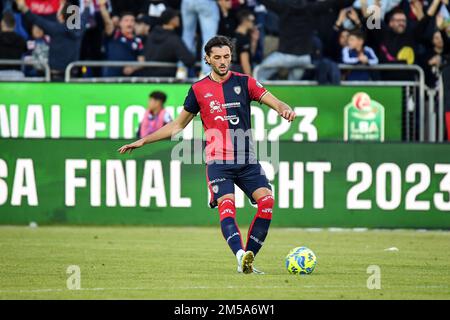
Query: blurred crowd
(279, 36)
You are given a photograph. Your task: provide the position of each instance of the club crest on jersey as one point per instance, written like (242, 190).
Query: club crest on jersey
(215, 106)
(237, 89)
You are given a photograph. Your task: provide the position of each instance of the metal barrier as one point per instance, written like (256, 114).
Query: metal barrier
(436, 115)
(154, 64)
(46, 78)
(420, 84)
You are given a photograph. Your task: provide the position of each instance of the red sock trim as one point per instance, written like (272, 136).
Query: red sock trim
(265, 206)
(227, 209)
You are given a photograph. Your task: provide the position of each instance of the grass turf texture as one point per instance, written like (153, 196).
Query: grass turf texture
(195, 263)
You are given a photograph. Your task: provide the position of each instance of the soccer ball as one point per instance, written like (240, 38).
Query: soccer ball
(301, 260)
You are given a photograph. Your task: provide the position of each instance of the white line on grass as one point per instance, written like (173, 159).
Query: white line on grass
(326, 287)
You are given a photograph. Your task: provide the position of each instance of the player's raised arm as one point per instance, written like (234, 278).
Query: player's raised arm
(170, 129)
(283, 109)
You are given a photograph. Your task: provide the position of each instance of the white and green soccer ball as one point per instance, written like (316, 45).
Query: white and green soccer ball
(301, 260)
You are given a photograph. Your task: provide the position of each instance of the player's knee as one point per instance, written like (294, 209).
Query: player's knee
(265, 207)
(227, 208)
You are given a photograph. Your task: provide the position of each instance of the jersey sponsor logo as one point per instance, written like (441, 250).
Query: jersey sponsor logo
(233, 119)
(237, 89)
(208, 95)
(215, 106)
(231, 105)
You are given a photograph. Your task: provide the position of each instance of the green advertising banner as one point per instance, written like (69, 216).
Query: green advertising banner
(64, 110)
(81, 181)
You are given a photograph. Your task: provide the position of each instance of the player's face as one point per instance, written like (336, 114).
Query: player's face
(219, 59)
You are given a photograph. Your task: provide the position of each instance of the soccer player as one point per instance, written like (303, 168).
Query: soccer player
(223, 100)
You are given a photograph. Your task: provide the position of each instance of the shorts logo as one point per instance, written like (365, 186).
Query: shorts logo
(215, 106)
(237, 89)
(215, 188)
(259, 84)
(234, 119)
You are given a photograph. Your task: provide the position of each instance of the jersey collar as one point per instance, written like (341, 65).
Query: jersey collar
(222, 82)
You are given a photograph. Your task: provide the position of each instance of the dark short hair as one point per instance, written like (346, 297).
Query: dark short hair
(168, 15)
(8, 19)
(357, 33)
(125, 13)
(158, 95)
(243, 15)
(393, 12)
(218, 41)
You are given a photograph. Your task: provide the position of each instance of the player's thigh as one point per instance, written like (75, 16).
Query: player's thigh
(253, 181)
(261, 192)
(220, 183)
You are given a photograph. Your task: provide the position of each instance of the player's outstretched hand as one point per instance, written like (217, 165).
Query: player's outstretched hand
(288, 114)
(130, 147)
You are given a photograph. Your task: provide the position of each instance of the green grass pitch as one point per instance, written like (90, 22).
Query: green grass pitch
(195, 263)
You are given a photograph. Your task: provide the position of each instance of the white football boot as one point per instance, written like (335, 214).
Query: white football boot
(245, 263)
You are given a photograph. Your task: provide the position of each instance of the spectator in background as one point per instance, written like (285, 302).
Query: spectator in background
(142, 27)
(38, 48)
(296, 35)
(12, 47)
(437, 54)
(228, 21)
(244, 44)
(65, 42)
(165, 45)
(155, 116)
(339, 38)
(355, 53)
(121, 44)
(206, 12)
(396, 42)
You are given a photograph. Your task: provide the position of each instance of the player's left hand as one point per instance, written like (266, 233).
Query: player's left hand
(288, 114)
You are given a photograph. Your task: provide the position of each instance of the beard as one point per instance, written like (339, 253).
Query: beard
(219, 72)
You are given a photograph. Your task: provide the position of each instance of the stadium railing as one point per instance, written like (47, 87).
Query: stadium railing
(69, 77)
(22, 63)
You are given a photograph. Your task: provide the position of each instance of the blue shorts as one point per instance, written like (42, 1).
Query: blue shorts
(222, 177)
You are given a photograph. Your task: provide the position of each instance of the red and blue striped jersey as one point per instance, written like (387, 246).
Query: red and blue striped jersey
(225, 112)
